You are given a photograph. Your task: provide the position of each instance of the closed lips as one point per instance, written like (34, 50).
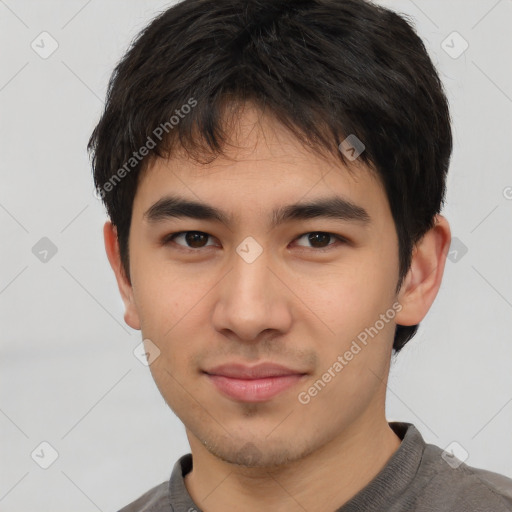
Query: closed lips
(261, 371)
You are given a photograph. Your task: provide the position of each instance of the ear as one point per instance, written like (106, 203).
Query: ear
(131, 316)
(423, 280)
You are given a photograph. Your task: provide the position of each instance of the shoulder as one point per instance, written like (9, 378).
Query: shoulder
(158, 499)
(154, 500)
(492, 484)
(465, 488)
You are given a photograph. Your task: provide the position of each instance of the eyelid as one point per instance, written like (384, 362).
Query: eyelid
(339, 238)
(171, 236)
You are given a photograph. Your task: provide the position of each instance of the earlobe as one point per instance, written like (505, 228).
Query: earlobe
(423, 280)
(131, 316)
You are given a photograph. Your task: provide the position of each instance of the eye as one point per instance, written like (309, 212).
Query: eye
(193, 239)
(319, 239)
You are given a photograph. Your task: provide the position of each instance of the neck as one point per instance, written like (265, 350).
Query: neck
(324, 480)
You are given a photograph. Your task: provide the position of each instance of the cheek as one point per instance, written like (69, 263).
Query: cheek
(347, 298)
(162, 289)
(157, 299)
(171, 305)
(349, 301)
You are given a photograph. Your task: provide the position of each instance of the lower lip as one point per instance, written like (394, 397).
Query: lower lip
(254, 390)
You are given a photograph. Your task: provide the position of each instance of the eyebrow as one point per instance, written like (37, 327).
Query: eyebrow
(333, 207)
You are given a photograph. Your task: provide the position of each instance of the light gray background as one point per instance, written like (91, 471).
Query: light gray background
(68, 374)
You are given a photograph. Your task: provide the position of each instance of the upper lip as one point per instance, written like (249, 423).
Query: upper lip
(259, 371)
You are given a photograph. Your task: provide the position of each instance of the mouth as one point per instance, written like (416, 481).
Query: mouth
(258, 383)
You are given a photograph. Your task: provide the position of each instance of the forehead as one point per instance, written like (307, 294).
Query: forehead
(265, 167)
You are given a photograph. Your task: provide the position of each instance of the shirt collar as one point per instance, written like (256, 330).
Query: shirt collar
(393, 479)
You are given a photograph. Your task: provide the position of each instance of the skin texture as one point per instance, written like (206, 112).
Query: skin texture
(294, 305)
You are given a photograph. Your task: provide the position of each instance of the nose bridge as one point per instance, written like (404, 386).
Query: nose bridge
(247, 302)
(249, 278)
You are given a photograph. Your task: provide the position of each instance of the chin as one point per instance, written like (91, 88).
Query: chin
(255, 454)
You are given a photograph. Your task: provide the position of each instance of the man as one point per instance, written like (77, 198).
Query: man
(274, 173)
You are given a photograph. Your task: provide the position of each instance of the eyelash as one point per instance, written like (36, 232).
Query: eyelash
(170, 238)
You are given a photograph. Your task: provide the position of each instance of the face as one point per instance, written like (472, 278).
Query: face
(301, 291)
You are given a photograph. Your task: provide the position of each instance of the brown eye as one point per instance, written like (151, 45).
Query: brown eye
(193, 239)
(320, 240)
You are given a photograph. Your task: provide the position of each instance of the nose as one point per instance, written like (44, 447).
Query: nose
(251, 299)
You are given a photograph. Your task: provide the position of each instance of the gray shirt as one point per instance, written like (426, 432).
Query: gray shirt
(416, 478)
